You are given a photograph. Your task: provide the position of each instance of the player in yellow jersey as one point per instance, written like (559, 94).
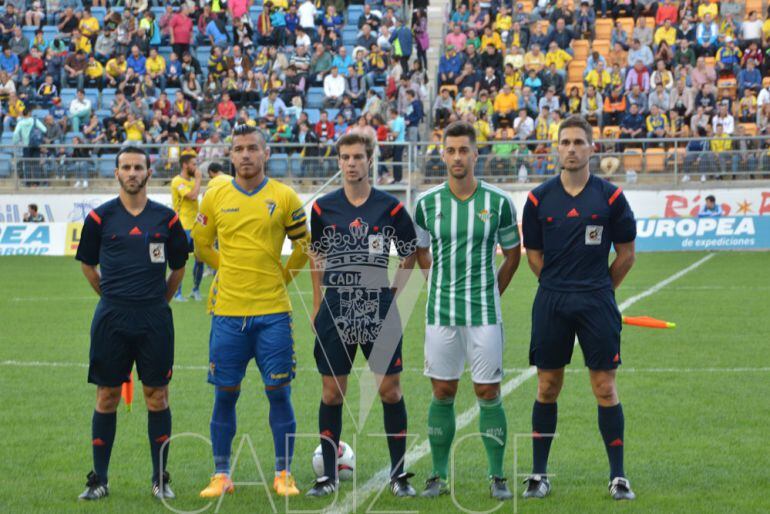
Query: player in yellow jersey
(185, 188)
(217, 178)
(251, 218)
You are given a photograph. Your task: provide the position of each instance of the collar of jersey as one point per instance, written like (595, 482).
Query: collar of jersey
(257, 190)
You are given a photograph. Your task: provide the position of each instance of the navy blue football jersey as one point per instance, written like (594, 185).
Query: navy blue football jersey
(132, 251)
(576, 233)
(356, 241)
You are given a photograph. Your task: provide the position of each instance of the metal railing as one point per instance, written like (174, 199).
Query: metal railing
(644, 161)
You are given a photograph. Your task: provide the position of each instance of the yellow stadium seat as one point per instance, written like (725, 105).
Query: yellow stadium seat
(611, 132)
(545, 25)
(710, 62)
(602, 46)
(603, 28)
(580, 47)
(750, 128)
(754, 5)
(596, 133)
(655, 159)
(578, 85)
(632, 159)
(575, 71)
(628, 26)
(526, 6)
(650, 22)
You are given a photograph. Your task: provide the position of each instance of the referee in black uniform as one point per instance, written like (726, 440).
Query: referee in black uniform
(570, 223)
(124, 249)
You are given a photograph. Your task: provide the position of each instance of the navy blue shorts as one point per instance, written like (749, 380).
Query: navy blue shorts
(558, 317)
(337, 342)
(124, 333)
(235, 341)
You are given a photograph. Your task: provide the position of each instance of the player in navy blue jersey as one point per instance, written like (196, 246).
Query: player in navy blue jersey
(125, 248)
(353, 230)
(570, 223)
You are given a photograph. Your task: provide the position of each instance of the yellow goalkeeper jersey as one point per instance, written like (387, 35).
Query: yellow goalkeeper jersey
(250, 228)
(186, 208)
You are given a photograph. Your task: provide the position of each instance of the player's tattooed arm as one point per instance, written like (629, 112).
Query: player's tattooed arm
(511, 260)
(624, 260)
(93, 276)
(535, 260)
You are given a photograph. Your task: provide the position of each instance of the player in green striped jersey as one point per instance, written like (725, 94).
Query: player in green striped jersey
(461, 222)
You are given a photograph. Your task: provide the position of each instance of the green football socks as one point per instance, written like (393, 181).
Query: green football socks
(493, 425)
(441, 432)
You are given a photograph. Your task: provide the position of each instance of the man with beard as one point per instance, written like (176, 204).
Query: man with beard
(125, 247)
(185, 189)
(250, 218)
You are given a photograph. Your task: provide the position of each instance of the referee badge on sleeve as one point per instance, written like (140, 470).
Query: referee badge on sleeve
(157, 253)
(594, 234)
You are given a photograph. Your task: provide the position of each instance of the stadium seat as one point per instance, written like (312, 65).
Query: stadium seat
(313, 115)
(650, 22)
(527, 6)
(596, 133)
(749, 128)
(628, 26)
(349, 36)
(578, 85)
(295, 165)
(655, 159)
(106, 166)
(5, 165)
(611, 132)
(545, 25)
(315, 97)
(632, 160)
(575, 71)
(602, 46)
(40, 113)
(278, 165)
(710, 61)
(580, 48)
(99, 13)
(603, 28)
(354, 13)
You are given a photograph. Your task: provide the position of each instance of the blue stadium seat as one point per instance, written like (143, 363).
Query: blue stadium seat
(332, 113)
(295, 165)
(28, 31)
(349, 36)
(7, 138)
(5, 165)
(202, 54)
(40, 113)
(106, 166)
(67, 95)
(278, 165)
(313, 115)
(315, 97)
(354, 13)
(103, 113)
(99, 13)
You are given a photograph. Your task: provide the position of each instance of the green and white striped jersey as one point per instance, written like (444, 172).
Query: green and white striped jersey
(463, 236)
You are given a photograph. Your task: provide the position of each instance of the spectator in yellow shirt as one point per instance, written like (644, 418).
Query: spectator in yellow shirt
(492, 38)
(721, 145)
(156, 68)
(599, 78)
(558, 57)
(665, 32)
(467, 103)
(534, 59)
(134, 129)
(482, 132)
(512, 77)
(15, 108)
(116, 69)
(88, 25)
(80, 42)
(503, 23)
(505, 106)
(711, 8)
(94, 73)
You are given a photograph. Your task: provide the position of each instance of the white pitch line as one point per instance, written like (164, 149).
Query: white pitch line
(357, 497)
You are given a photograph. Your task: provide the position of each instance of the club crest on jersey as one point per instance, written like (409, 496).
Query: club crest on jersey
(594, 234)
(484, 215)
(270, 207)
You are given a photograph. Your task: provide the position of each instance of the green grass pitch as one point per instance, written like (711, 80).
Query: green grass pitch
(695, 399)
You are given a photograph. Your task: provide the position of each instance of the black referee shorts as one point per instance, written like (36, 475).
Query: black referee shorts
(124, 333)
(558, 317)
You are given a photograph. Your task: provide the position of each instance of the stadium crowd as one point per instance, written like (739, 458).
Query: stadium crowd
(135, 71)
(634, 68)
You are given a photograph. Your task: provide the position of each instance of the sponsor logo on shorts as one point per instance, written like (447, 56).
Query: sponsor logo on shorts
(279, 376)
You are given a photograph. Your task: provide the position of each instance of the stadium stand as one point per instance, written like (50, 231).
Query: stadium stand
(685, 65)
(175, 74)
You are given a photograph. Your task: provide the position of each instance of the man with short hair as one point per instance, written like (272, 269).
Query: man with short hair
(125, 248)
(251, 217)
(462, 221)
(570, 222)
(185, 188)
(369, 222)
(32, 215)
